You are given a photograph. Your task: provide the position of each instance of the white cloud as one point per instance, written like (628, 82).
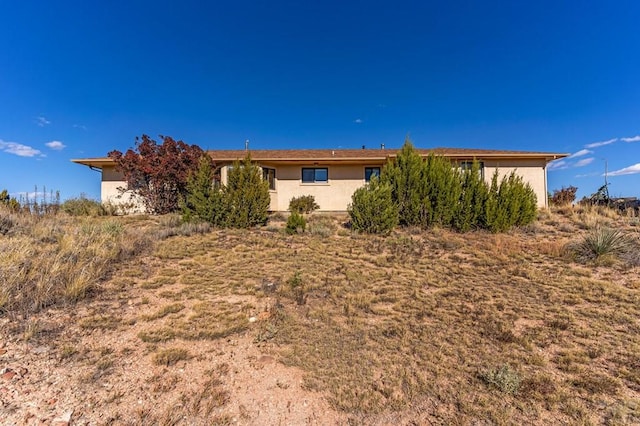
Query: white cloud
(580, 153)
(602, 143)
(564, 164)
(57, 145)
(584, 162)
(80, 126)
(42, 121)
(358, 121)
(632, 139)
(19, 149)
(557, 165)
(589, 175)
(631, 170)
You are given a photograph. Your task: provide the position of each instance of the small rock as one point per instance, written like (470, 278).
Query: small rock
(63, 420)
(40, 350)
(253, 319)
(265, 359)
(264, 315)
(3, 351)
(7, 374)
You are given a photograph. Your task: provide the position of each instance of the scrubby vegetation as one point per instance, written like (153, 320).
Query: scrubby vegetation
(417, 327)
(246, 195)
(372, 209)
(296, 223)
(204, 198)
(9, 202)
(604, 242)
(434, 193)
(242, 203)
(564, 196)
(83, 206)
(51, 259)
(303, 204)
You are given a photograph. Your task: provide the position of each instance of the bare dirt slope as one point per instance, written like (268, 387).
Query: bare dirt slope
(87, 363)
(419, 327)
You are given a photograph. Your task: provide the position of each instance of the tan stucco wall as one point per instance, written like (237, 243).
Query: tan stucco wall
(532, 171)
(336, 194)
(110, 192)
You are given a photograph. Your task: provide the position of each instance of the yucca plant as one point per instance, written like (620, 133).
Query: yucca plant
(603, 241)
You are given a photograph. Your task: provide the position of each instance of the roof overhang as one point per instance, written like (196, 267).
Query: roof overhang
(95, 162)
(293, 157)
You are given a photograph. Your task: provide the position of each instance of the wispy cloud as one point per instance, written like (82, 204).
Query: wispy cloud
(564, 164)
(558, 165)
(589, 175)
(601, 143)
(19, 149)
(358, 121)
(632, 139)
(56, 145)
(42, 121)
(631, 170)
(80, 126)
(580, 153)
(584, 162)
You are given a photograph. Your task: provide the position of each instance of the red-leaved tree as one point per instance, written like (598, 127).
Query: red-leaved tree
(157, 173)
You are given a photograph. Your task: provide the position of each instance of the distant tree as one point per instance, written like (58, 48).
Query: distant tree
(4, 197)
(600, 197)
(564, 196)
(10, 202)
(157, 173)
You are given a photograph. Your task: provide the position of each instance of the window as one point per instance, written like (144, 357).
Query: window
(315, 175)
(468, 165)
(371, 171)
(270, 176)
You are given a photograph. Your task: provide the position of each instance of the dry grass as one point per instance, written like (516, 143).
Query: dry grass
(47, 260)
(170, 356)
(422, 326)
(412, 328)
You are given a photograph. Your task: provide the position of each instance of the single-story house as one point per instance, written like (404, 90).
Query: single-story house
(332, 175)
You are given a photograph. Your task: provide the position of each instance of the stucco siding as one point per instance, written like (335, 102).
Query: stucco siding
(110, 192)
(333, 195)
(532, 172)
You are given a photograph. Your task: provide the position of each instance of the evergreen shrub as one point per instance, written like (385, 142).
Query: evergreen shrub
(372, 209)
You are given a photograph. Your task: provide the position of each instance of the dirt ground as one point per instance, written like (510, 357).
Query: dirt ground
(73, 373)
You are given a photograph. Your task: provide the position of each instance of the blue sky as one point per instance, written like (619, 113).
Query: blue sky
(78, 79)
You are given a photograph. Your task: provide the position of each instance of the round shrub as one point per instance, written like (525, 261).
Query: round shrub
(303, 204)
(296, 223)
(372, 209)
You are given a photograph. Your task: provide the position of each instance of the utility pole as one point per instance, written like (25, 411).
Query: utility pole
(606, 183)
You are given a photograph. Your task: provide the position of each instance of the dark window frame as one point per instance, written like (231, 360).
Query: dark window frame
(369, 171)
(314, 170)
(269, 177)
(467, 165)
